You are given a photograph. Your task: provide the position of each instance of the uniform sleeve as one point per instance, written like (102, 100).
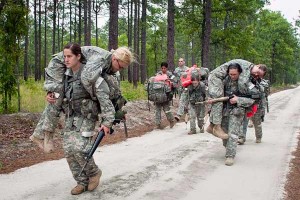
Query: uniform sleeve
(106, 106)
(203, 90)
(244, 102)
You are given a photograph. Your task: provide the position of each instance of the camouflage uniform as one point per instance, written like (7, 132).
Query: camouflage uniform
(216, 86)
(95, 58)
(233, 116)
(196, 111)
(54, 75)
(86, 93)
(167, 110)
(260, 113)
(164, 106)
(178, 72)
(81, 111)
(204, 72)
(183, 102)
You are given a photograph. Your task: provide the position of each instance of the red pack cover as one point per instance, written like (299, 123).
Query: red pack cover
(186, 78)
(162, 78)
(253, 111)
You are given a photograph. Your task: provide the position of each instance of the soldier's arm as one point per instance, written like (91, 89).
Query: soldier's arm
(244, 102)
(106, 106)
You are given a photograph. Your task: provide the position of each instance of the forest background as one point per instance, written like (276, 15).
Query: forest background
(203, 32)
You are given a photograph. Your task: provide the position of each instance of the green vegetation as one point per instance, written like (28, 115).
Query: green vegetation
(131, 93)
(33, 95)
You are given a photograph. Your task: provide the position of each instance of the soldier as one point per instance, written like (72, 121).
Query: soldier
(165, 106)
(258, 117)
(54, 85)
(87, 93)
(195, 93)
(216, 90)
(233, 111)
(183, 101)
(178, 72)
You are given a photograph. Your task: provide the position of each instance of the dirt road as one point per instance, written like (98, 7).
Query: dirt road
(169, 164)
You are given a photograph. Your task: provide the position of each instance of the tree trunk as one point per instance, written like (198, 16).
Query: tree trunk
(206, 32)
(96, 9)
(54, 27)
(87, 21)
(25, 73)
(36, 64)
(40, 41)
(143, 42)
(62, 23)
(130, 17)
(171, 35)
(70, 4)
(135, 43)
(58, 25)
(79, 22)
(113, 25)
(45, 37)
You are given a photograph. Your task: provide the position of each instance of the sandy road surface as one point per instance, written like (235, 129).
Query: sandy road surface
(169, 164)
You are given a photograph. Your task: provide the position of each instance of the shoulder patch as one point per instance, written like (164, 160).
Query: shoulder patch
(99, 81)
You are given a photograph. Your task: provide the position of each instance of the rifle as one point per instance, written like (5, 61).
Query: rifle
(92, 150)
(220, 99)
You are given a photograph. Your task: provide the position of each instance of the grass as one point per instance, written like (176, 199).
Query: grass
(33, 95)
(131, 93)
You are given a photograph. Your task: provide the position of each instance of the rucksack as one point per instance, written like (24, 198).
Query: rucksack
(159, 89)
(186, 77)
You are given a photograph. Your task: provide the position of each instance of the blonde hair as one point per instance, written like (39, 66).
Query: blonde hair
(124, 54)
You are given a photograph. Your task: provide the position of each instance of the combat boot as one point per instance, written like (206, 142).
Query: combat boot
(218, 132)
(48, 142)
(201, 126)
(78, 189)
(159, 126)
(37, 141)
(192, 132)
(177, 118)
(229, 161)
(241, 141)
(258, 140)
(210, 128)
(202, 129)
(172, 123)
(94, 181)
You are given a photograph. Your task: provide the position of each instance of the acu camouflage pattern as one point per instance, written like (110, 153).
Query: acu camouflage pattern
(178, 72)
(165, 103)
(197, 112)
(183, 102)
(167, 110)
(55, 73)
(233, 116)
(216, 86)
(158, 92)
(260, 113)
(80, 110)
(75, 148)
